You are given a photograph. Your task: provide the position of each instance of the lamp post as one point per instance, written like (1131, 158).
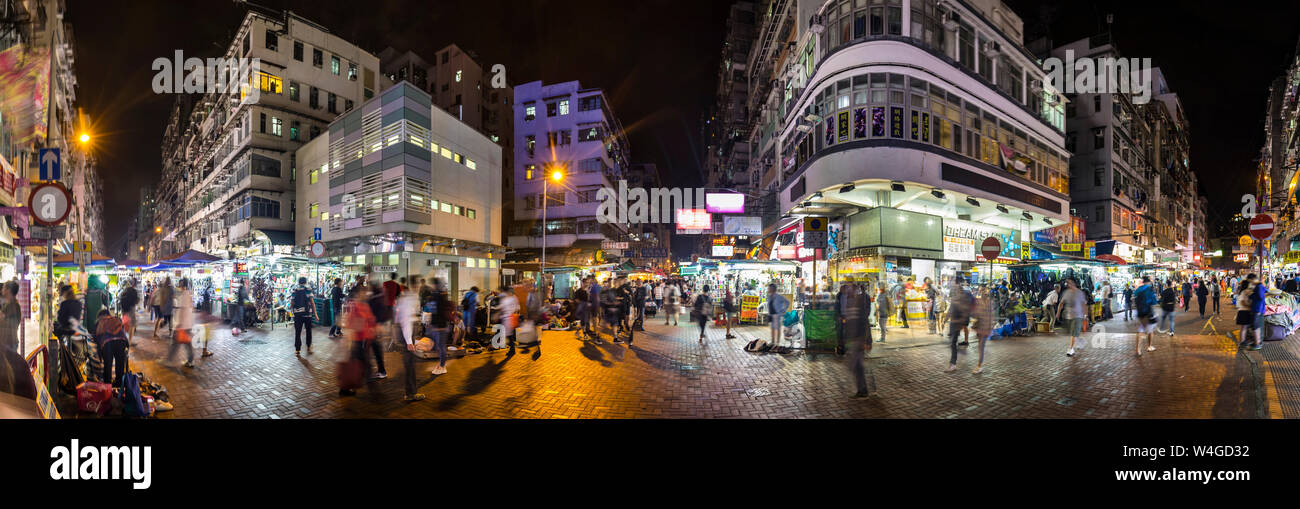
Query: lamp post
(557, 175)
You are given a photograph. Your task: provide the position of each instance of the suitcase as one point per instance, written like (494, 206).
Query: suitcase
(94, 397)
(1274, 332)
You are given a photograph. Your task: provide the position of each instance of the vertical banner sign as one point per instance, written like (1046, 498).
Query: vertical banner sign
(25, 297)
(843, 126)
(896, 122)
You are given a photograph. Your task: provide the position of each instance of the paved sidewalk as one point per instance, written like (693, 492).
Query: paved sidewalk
(666, 373)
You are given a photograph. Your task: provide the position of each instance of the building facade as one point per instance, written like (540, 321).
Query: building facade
(230, 171)
(921, 113)
(402, 186)
(573, 130)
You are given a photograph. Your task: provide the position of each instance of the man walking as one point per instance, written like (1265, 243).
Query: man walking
(1168, 304)
(468, 308)
(1106, 293)
(884, 309)
(304, 313)
(1215, 294)
(1128, 299)
(1202, 293)
(336, 305)
(1074, 307)
(1145, 300)
(405, 314)
(960, 303)
(1187, 295)
(638, 305)
(855, 313)
(900, 302)
(127, 302)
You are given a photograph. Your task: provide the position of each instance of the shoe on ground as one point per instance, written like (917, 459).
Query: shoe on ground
(951, 368)
(207, 353)
(162, 406)
(963, 343)
(415, 397)
(731, 336)
(1171, 333)
(439, 370)
(880, 341)
(1255, 347)
(1070, 353)
(378, 376)
(978, 370)
(309, 350)
(297, 352)
(452, 348)
(862, 394)
(1151, 348)
(188, 364)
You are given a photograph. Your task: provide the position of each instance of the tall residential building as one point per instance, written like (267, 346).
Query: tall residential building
(726, 130)
(400, 183)
(1277, 176)
(567, 128)
(918, 128)
(228, 188)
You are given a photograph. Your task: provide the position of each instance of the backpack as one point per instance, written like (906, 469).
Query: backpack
(757, 345)
(464, 303)
(132, 402)
(699, 304)
(1144, 301)
(1168, 300)
(301, 302)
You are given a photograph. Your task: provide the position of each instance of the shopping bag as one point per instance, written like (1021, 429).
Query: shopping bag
(350, 373)
(183, 336)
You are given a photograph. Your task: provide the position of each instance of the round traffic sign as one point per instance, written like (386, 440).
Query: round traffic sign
(1261, 226)
(991, 248)
(49, 204)
(317, 249)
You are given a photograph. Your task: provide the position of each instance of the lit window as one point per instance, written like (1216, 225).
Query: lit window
(446, 207)
(334, 65)
(269, 82)
(434, 147)
(446, 152)
(312, 178)
(495, 138)
(470, 213)
(530, 112)
(564, 106)
(276, 126)
(469, 163)
(457, 75)
(393, 259)
(458, 158)
(325, 168)
(315, 207)
(324, 216)
(433, 204)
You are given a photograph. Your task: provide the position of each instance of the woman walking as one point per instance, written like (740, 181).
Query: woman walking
(672, 294)
(10, 316)
(982, 314)
(728, 310)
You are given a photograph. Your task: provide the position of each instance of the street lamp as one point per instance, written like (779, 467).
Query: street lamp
(557, 174)
(85, 138)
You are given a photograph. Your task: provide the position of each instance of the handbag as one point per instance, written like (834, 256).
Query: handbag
(350, 372)
(183, 336)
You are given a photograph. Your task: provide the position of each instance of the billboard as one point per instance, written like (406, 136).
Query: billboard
(724, 203)
(694, 219)
(742, 225)
(724, 251)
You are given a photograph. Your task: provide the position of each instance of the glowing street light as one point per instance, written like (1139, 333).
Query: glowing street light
(85, 138)
(557, 174)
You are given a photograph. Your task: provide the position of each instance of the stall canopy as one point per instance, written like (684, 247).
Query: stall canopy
(131, 264)
(190, 257)
(95, 261)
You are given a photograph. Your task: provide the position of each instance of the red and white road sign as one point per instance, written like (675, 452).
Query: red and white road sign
(991, 248)
(1261, 226)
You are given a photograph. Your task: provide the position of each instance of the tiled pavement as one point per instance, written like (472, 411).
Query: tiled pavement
(667, 374)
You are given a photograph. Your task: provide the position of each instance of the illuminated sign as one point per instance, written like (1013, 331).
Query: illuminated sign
(1071, 247)
(1241, 258)
(724, 251)
(694, 219)
(724, 203)
(959, 249)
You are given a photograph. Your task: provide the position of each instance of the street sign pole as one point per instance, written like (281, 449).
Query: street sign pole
(52, 380)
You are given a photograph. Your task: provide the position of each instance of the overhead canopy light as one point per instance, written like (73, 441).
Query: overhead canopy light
(1003, 210)
(897, 186)
(936, 193)
(1027, 216)
(972, 201)
(846, 188)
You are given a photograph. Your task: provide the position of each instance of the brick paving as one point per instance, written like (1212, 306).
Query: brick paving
(667, 374)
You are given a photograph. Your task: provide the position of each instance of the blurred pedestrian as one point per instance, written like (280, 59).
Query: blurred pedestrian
(336, 305)
(165, 297)
(359, 326)
(382, 315)
(127, 302)
(960, 305)
(406, 315)
(702, 308)
(181, 333)
(884, 309)
(1073, 304)
(439, 309)
(303, 308)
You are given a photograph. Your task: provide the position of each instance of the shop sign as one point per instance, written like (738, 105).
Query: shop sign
(749, 307)
(241, 269)
(1241, 258)
(1091, 249)
(609, 244)
(957, 248)
(1071, 247)
(384, 268)
(786, 253)
(724, 203)
(977, 232)
(694, 219)
(1291, 257)
(724, 251)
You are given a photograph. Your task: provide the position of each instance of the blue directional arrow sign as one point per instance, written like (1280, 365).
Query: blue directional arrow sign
(51, 164)
(315, 234)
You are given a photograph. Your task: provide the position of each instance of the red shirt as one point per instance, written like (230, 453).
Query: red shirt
(391, 289)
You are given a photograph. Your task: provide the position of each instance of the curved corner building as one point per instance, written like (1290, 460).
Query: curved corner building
(919, 127)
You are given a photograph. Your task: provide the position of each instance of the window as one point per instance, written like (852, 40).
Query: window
(895, 21)
(589, 103)
(315, 132)
(552, 109)
(444, 56)
(265, 166)
(347, 105)
(352, 71)
(269, 83)
(334, 65)
(263, 207)
(1101, 214)
(333, 103)
(293, 131)
(297, 50)
(470, 214)
(446, 152)
(530, 171)
(1098, 137)
(261, 123)
(246, 43)
(530, 112)
(272, 42)
(564, 106)
(276, 126)
(1070, 140)
(1096, 104)
(445, 207)
(458, 158)
(458, 73)
(469, 163)
(313, 210)
(312, 178)
(589, 133)
(293, 91)
(317, 58)
(313, 99)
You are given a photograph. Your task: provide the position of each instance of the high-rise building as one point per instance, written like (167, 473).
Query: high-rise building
(572, 130)
(230, 173)
(1277, 176)
(400, 183)
(917, 128)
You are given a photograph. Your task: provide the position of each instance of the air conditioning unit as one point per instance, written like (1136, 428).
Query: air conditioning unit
(951, 20)
(817, 23)
(992, 49)
(813, 118)
(1036, 85)
(803, 127)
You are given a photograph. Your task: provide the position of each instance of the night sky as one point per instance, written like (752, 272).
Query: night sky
(656, 60)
